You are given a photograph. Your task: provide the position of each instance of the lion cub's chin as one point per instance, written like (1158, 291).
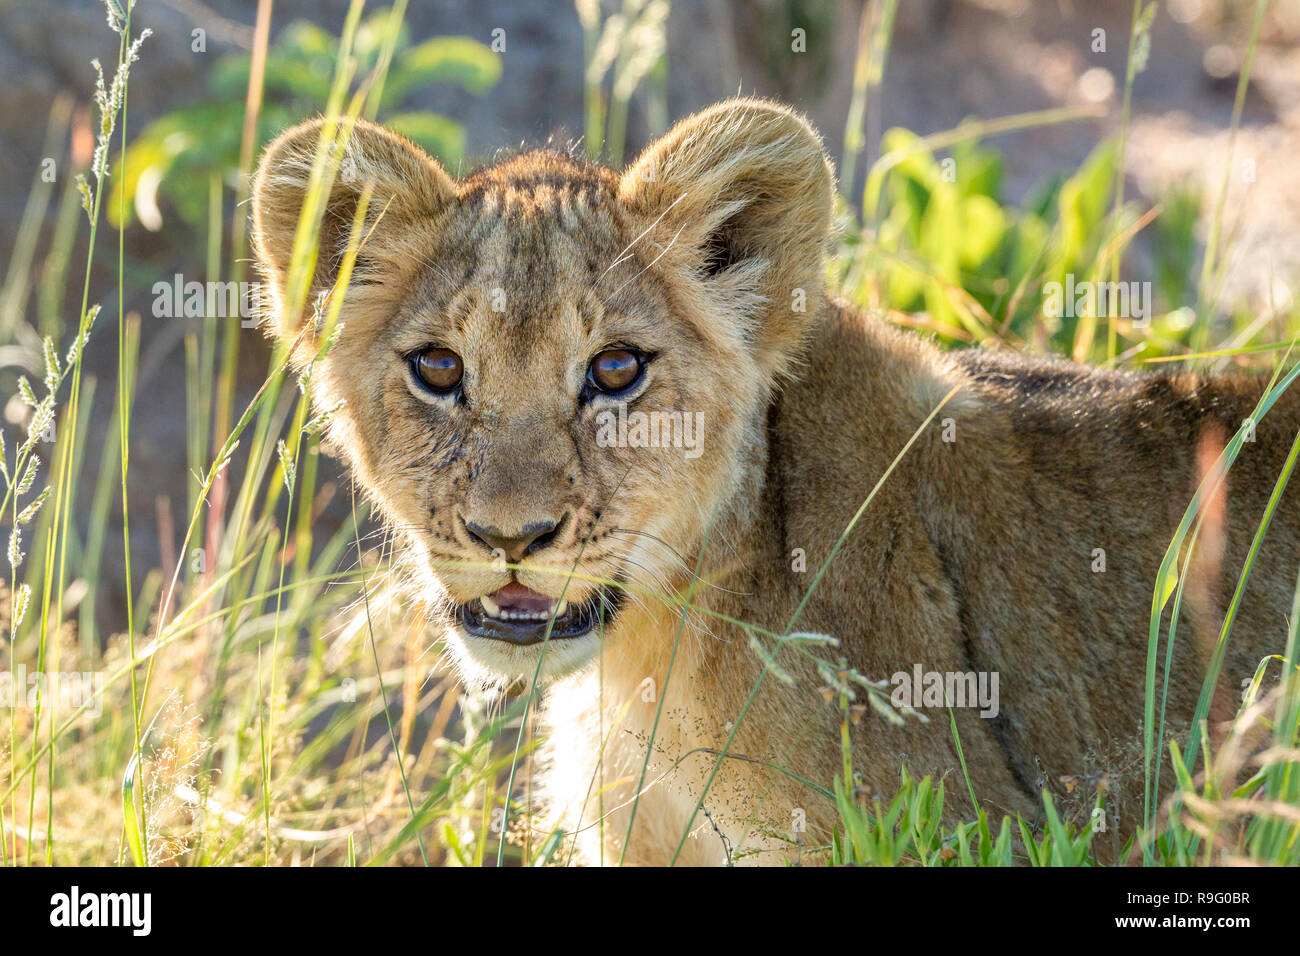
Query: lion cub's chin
(491, 664)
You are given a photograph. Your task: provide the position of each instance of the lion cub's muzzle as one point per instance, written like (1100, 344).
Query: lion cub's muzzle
(519, 615)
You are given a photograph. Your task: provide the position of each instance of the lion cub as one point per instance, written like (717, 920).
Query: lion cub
(622, 427)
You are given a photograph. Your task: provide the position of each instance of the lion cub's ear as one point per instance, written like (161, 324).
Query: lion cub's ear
(741, 196)
(408, 184)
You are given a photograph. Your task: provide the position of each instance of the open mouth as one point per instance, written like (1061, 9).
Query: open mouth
(520, 615)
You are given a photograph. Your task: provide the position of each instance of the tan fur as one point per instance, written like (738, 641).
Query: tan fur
(977, 555)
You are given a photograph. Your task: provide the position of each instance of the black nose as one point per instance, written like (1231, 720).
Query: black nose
(532, 537)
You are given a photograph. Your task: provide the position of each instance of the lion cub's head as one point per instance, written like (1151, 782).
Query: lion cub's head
(553, 375)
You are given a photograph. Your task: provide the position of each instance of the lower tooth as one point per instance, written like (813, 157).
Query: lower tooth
(492, 609)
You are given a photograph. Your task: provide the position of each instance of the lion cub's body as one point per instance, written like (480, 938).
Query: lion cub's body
(1018, 538)
(977, 555)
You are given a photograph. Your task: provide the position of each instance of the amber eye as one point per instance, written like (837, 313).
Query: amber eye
(439, 370)
(615, 370)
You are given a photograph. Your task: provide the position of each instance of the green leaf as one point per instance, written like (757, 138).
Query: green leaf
(461, 61)
(452, 840)
(983, 224)
(443, 137)
(1166, 584)
(548, 849)
(135, 837)
(1032, 848)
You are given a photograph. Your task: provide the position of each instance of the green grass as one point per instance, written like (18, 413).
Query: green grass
(270, 701)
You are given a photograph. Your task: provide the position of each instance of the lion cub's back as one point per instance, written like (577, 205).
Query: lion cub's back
(1023, 530)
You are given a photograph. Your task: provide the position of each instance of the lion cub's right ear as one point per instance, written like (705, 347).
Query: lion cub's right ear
(740, 196)
(408, 185)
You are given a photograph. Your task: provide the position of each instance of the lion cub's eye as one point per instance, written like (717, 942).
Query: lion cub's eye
(615, 370)
(439, 370)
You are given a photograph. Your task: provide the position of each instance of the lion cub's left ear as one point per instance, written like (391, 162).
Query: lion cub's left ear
(740, 196)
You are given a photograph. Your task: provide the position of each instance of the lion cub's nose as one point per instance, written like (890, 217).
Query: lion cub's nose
(532, 537)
